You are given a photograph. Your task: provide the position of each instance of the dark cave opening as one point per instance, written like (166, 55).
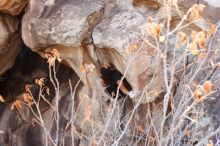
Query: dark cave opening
(28, 67)
(110, 77)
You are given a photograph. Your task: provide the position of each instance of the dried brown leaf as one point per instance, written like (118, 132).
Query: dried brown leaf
(27, 97)
(211, 30)
(51, 61)
(82, 69)
(207, 86)
(154, 29)
(198, 95)
(56, 54)
(1, 99)
(183, 37)
(196, 11)
(201, 39)
(40, 82)
(16, 104)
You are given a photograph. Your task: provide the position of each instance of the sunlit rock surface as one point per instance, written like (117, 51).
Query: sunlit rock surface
(59, 22)
(89, 32)
(123, 28)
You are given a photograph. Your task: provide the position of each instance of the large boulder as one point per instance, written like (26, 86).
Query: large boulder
(117, 34)
(10, 41)
(59, 22)
(121, 30)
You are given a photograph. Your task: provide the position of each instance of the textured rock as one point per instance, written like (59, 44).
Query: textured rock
(63, 25)
(10, 41)
(121, 29)
(12, 7)
(213, 3)
(58, 22)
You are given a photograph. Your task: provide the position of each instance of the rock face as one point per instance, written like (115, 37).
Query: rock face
(10, 41)
(12, 7)
(121, 28)
(58, 22)
(166, 69)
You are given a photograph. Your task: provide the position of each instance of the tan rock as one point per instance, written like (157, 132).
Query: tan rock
(59, 22)
(12, 7)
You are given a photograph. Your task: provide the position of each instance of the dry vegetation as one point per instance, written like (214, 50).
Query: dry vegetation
(182, 117)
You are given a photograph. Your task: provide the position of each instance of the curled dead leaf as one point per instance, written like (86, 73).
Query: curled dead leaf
(196, 10)
(183, 37)
(82, 69)
(198, 95)
(27, 97)
(56, 54)
(154, 29)
(51, 61)
(201, 39)
(211, 30)
(40, 82)
(16, 104)
(1, 99)
(207, 86)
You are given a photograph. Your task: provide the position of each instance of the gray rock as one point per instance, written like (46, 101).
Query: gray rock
(58, 22)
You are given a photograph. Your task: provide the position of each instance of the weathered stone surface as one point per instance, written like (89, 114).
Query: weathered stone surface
(63, 25)
(12, 7)
(10, 41)
(123, 28)
(58, 22)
